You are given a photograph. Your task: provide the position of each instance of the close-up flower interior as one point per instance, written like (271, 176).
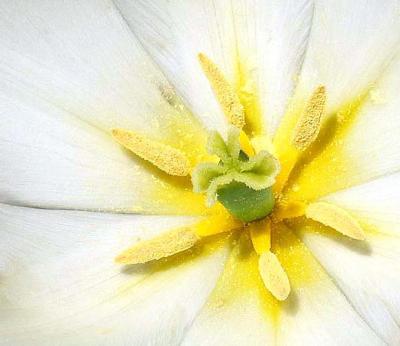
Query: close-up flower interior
(200, 172)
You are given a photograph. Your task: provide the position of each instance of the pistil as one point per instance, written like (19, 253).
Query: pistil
(241, 183)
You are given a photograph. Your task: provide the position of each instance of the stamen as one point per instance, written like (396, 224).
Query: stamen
(165, 245)
(260, 233)
(305, 132)
(224, 92)
(337, 218)
(308, 126)
(166, 158)
(273, 275)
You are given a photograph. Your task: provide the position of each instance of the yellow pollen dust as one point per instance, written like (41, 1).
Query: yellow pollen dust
(274, 277)
(166, 158)
(165, 245)
(309, 124)
(224, 92)
(337, 218)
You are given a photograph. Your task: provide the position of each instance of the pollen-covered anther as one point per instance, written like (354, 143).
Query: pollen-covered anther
(336, 218)
(309, 124)
(165, 245)
(224, 92)
(166, 158)
(273, 275)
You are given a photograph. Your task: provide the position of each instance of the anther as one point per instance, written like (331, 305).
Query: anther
(309, 124)
(225, 94)
(166, 158)
(337, 218)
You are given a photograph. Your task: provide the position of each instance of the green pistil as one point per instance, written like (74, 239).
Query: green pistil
(241, 184)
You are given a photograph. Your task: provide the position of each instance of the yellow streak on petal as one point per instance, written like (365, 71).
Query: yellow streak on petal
(245, 144)
(336, 218)
(303, 126)
(224, 92)
(329, 157)
(165, 245)
(273, 275)
(166, 158)
(309, 124)
(260, 234)
(219, 222)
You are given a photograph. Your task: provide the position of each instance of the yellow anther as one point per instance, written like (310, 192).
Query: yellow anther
(166, 158)
(245, 144)
(220, 222)
(165, 245)
(337, 218)
(273, 275)
(309, 124)
(287, 210)
(260, 233)
(224, 92)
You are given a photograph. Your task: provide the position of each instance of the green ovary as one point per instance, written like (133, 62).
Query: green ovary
(242, 184)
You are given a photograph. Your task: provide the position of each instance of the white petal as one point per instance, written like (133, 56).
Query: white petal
(52, 159)
(316, 312)
(367, 148)
(69, 72)
(350, 45)
(366, 273)
(82, 57)
(240, 311)
(266, 39)
(59, 283)
(374, 204)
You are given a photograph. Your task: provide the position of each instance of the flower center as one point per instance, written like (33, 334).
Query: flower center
(241, 183)
(244, 187)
